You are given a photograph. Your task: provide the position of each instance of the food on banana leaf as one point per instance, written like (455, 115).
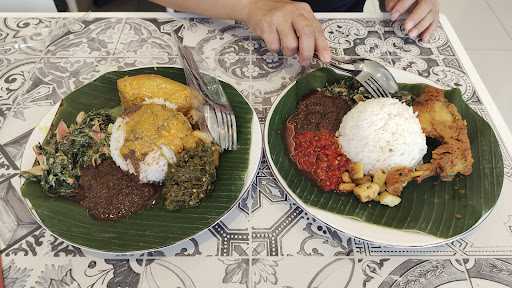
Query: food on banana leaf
(149, 88)
(143, 142)
(348, 142)
(110, 194)
(117, 163)
(68, 149)
(191, 178)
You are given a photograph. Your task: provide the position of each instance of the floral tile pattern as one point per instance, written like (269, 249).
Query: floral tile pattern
(231, 40)
(489, 272)
(33, 87)
(184, 272)
(410, 272)
(266, 240)
(358, 272)
(140, 38)
(83, 37)
(15, 219)
(296, 233)
(271, 74)
(281, 228)
(14, 148)
(345, 35)
(8, 167)
(24, 37)
(15, 80)
(76, 269)
(127, 63)
(42, 243)
(79, 271)
(227, 238)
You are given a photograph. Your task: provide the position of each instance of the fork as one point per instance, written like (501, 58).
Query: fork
(219, 116)
(377, 80)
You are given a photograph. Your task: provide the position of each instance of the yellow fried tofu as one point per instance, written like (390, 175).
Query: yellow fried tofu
(135, 90)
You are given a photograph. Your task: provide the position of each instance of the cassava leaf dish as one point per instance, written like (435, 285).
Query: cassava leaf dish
(441, 209)
(154, 227)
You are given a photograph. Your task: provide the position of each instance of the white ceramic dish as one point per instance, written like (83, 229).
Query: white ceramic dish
(41, 130)
(360, 229)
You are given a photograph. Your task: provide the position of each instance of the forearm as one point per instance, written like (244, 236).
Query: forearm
(223, 9)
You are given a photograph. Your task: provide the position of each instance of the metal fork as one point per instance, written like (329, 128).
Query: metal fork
(377, 80)
(218, 113)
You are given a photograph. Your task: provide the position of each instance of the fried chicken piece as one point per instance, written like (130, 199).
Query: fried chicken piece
(397, 179)
(424, 171)
(452, 158)
(440, 119)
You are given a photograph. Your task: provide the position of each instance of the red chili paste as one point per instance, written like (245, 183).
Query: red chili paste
(318, 154)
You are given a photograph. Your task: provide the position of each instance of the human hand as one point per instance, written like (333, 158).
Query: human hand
(423, 17)
(289, 26)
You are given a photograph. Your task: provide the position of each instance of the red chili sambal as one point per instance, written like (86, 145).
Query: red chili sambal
(318, 154)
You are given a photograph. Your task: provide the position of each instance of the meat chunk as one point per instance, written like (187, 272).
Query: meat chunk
(318, 111)
(397, 179)
(424, 171)
(315, 111)
(316, 120)
(110, 194)
(440, 119)
(452, 158)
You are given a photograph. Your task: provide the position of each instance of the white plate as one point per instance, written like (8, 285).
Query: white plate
(360, 229)
(41, 130)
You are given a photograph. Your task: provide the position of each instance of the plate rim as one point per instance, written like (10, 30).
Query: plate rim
(434, 240)
(255, 154)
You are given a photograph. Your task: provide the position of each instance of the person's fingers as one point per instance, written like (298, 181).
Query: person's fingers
(306, 35)
(400, 8)
(422, 25)
(425, 35)
(311, 36)
(271, 37)
(288, 38)
(418, 13)
(322, 46)
(390, 4)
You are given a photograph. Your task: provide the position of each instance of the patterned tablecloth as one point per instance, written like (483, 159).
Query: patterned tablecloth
(266, 240)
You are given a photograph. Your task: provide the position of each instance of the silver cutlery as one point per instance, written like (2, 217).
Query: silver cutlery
(219, 116)
(377, 80)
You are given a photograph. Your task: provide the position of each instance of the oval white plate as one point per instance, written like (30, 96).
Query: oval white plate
(360, 229)
(41, 130)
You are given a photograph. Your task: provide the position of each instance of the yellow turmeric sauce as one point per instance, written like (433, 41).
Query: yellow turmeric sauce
(153, 125)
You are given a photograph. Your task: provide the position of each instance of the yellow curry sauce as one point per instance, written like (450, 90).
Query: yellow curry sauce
(153, 125)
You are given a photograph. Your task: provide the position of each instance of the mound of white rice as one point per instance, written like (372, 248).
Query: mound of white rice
(382, 133)
(154, 166)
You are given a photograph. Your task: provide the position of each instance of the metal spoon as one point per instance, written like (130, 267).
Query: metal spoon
(373, 75)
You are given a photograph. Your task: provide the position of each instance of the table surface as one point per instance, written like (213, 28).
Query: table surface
(266, 240)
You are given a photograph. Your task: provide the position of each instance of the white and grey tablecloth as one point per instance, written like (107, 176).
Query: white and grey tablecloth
(266, 240)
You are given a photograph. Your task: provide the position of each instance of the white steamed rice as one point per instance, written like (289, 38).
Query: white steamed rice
(154, 166)
(382, 133)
